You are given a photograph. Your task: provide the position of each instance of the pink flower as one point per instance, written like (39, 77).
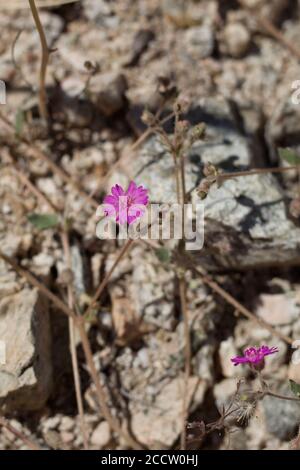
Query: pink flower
(126, 206)
(254, 356)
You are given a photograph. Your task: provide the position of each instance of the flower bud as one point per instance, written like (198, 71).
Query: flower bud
(209, 170)
(203, 188)
(148, 118)
(198, 132)
(183, 127)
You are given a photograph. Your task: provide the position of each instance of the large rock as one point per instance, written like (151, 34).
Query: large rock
(162, 424)
(246, 223)
(283, 127)
(152, 290)
(153, 379)
(282, 416)
(26, 376)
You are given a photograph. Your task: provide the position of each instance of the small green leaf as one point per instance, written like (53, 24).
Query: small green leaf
(19, 122)
(295, 388)
(289, 156)
(91, 316)
(163, 255)
(43, 221)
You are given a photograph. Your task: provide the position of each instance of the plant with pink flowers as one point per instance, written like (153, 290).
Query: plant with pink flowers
(254, 356)
(126, 206)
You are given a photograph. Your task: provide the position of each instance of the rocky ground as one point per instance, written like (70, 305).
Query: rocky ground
(111, 60)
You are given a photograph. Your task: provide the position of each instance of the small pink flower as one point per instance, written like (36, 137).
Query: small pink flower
(254, 356)
(126, 206)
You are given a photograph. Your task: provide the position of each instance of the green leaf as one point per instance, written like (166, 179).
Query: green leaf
(289, 156)
(43, 221)
(163, 255)
(19, 121)
(295, 388)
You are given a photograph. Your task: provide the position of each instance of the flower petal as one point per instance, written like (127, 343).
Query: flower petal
(117, 190)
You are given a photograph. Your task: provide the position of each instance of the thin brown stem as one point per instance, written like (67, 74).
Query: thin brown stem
(75, 367)
(44, 61)
(112, 421)
(39, 195)
(272, 30)
(106, 279)
(35, 283)
(256, 171)
(178, 157)
(188, 262)
(28, 442)
(36, 152)
(281, 397)
(86, 347)
(76, 375)
(141, 139)
(232, 301)
(188, 357)
(16, 65)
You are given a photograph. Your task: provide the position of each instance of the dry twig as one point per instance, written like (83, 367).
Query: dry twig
(272, 30)
(232, 301)
(36, 152)
(44, 61)
(27, 441)
(75, 367)
(106, 279)
(79, 322)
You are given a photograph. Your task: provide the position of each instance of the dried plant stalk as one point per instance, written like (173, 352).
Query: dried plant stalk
(44, 61)
(18, 4)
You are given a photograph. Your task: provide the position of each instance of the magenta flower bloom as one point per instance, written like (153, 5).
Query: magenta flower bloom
(254, 356)
(126, 206)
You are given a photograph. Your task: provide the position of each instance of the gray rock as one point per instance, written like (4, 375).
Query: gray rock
(274, 9)
(152, 290)
(26, 376)
(8, 281)
(161, 421)
(101, 435)
(227, 351)
(78, 270)
(279, 309)
(200, 41)
(224, 391)
(283, 127)
(246, 224)
(237, 39)
(204, 363)
(101, 12)
(153, 380)
(107, 92)
(185, 14)
(282, 416)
